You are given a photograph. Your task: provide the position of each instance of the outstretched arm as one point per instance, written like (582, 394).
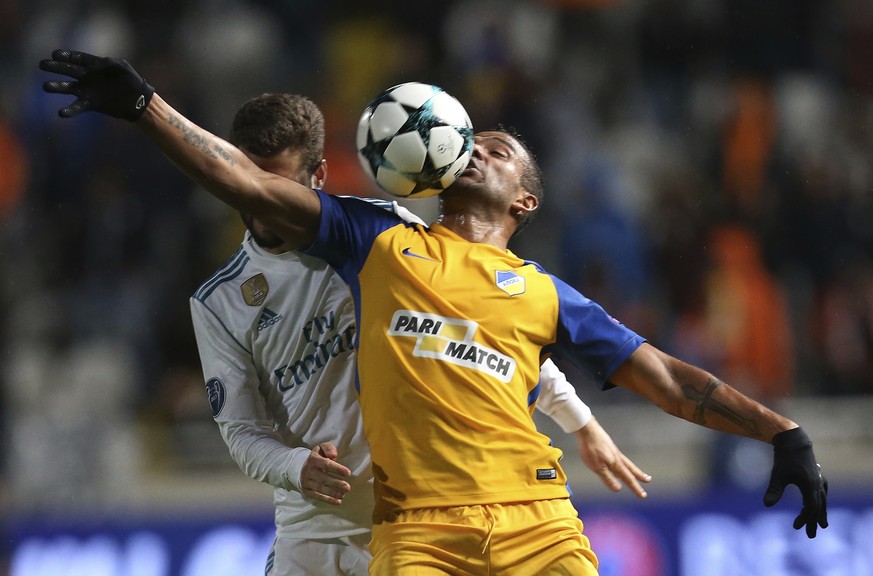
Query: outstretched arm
(604, 458)
(697, 396)
(111, 86)
(559, 401)
(288, 208)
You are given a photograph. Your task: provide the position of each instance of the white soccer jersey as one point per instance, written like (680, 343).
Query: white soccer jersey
(275, 335)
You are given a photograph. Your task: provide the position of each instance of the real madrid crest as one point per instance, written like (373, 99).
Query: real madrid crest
(255, 289)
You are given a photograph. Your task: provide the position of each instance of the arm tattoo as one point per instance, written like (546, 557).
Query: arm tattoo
(204, 144)
(706, 403)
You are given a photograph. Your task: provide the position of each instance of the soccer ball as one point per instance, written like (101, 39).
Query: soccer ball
(414, 139)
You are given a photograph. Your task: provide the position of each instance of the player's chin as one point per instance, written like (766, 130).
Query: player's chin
(452, 191)
(463, 184)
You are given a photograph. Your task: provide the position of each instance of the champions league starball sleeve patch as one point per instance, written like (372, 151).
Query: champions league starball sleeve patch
(216, 394)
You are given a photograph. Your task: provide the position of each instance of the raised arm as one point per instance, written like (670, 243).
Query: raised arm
(111, 86)
(288, 208)
(688, 392)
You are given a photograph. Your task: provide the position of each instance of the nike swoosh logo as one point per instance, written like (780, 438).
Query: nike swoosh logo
(408, 252)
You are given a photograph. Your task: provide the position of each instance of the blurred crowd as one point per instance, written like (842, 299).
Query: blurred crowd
(708, 175)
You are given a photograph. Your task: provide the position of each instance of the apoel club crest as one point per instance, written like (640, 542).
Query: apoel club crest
(510, 282)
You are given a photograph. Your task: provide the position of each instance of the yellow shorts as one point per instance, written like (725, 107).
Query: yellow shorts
(542, 538)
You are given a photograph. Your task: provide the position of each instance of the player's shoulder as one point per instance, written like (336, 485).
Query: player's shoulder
(536, 266)
(228, 276)
(391, 206)
(533, 267)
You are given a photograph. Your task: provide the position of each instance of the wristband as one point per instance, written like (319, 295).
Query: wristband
(573, 415)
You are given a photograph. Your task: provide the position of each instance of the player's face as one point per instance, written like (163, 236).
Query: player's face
(288, 164)
(495, 168)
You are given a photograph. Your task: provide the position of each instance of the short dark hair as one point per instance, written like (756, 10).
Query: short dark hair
(270, 123)
(531, 176)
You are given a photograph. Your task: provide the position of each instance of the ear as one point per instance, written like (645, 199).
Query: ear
(524, 204)
(320, 175)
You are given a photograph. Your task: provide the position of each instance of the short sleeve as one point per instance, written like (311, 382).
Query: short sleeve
(589, 338)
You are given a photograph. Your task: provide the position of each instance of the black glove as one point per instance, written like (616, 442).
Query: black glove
(794, 463)
(105, 85)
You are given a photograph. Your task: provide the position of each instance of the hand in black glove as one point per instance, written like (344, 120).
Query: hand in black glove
(794, 463)
(105, 85)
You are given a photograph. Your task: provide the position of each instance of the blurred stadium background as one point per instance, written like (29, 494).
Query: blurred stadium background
(710, 181)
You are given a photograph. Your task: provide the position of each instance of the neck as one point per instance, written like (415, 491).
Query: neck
(277, 250)
(476, 228)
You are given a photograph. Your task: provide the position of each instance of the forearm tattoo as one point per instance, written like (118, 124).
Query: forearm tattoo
(200, 142)
(705, 403)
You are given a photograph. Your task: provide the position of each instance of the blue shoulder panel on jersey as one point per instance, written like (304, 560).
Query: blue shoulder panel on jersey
(591, 339)
(347, 230)
(383, 204)
(230, 270)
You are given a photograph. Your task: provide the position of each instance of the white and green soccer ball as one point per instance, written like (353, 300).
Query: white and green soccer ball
(414, 140)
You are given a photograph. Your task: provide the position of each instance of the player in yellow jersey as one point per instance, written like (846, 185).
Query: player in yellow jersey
(452, 328)
(280, 371)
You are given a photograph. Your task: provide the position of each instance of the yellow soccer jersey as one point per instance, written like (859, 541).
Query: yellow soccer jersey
(451, 337)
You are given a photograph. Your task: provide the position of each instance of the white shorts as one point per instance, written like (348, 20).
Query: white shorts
(346, 556)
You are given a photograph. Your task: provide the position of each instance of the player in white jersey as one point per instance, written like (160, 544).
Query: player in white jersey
(275, 329)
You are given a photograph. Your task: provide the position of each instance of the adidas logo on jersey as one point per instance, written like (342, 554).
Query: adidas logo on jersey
(267, 319)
